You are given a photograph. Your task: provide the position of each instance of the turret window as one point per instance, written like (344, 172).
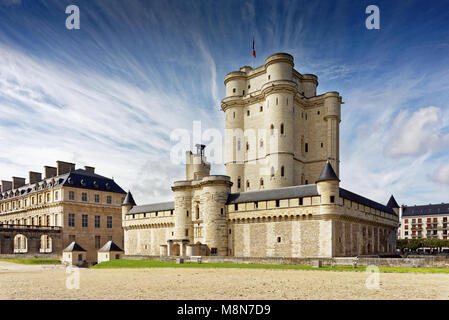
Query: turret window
(306, 147)
(248, 113)
(282, 171)
(238, 183)
(272, 172)
(243, 92)
(233, 90)
(276, 101)
(261, 108)
(282, 128)
(261, 182)
(272, 129)
(301, 201)
(332, 199)
(247, 184)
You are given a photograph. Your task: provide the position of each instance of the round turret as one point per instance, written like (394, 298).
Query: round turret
(309, 83)
(279, 66)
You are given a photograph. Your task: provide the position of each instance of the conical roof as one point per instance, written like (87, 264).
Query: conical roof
(110, 246)
(129, 200)
(392, 203)
(328, 173)
(73, 247)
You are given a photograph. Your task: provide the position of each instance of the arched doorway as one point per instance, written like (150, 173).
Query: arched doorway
(175, 250)
(20, 244)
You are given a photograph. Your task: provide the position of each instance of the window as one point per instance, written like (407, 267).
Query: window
(187, 232)
(171, 212)
(71, 219)
(261, 182)
(332, 199)
(187, 213)
(306, 147)
(261, 109)
(236, 207)
(213, 251)
(301, 201)
(230, 231)
(272, 172)
(243, 92)
(249, 86)
(84, 221)
(282, 171)
(307, 181)
(197, 212)
(277, 203)
(71, 195)
(322, 144)
(247, 146)
(282, 128)
(279, 239)
(97, 198)
(272, 129)
(318, 112)
(221, 211)
(109, 199)
(109, 222)
(56, 196)
(256, 204)
(238, 183)
(248, 113)
(247, 183)
(233, 90)
(276, 101)
(84, 196)
(97, 221)
(97, 242)
(269, 77)
(261, 143)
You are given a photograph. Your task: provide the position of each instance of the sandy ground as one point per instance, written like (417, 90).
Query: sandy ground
(50, 282)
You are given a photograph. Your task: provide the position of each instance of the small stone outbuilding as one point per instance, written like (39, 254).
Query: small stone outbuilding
(74, 254)
(110, 251)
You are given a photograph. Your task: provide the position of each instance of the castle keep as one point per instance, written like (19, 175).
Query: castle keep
(280, 196)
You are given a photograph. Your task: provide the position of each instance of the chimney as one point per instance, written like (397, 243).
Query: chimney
(6, 185)
(17, 182)
(64, 167)
(89, 169)
(34, 177)
(49, 172)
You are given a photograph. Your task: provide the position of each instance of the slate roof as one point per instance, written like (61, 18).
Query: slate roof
(110, 246)
(73, 247)
(79, 178)
(308, 190)
(365, 201)
(426, 210)
(163, 206)
(392, 203)
(129, 199)
(327, 173)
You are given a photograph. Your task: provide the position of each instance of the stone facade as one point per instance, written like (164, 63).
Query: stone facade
(281, 195)
(85, 205)
(279, 133)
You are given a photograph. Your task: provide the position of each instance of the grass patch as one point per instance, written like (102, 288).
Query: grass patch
(32, 261)
(169, 264)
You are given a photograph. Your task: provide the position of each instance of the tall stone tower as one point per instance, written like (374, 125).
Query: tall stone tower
(279, 133)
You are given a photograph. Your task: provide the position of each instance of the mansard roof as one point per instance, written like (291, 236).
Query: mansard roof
(426, 210)
(79, 178)
(392, 203)
(129, 200)
(110, 246)
(162, 206)
(328, 173)
(73, 247)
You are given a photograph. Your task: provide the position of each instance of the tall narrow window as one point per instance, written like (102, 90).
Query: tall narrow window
(247, 184)
(307, 147)
(197, 212)
(282, 171)
(272, 172)
(277, 203)
(300, 201)
(282, 128)
(236, 207)
(84, 221)
(261, 182)
(238, 183)
(109, 222)
(272, 129)
(276, 101)
(71, 220)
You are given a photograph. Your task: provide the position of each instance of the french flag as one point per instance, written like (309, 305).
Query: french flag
(254, 50)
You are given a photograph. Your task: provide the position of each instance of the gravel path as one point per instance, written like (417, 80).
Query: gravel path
(49, 282)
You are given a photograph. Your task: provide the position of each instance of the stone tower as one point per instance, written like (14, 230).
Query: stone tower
(279, 133)
(200, 216)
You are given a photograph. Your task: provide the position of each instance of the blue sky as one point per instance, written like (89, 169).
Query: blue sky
(110, 94)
